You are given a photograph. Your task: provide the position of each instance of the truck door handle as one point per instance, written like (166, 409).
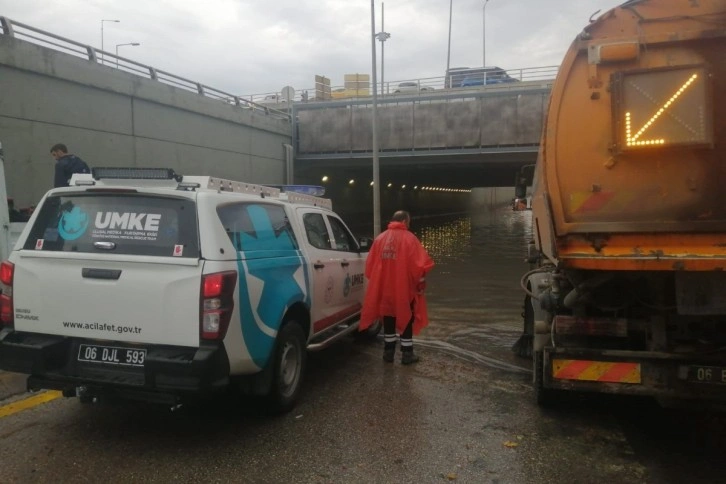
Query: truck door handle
(318, 265)
(110, 274)
(104, 245)
(345, 263)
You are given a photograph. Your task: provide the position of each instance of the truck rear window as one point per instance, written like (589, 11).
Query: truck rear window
(116, 224)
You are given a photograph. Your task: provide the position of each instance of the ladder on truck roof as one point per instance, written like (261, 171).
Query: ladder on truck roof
(221, 184)
(167, 178)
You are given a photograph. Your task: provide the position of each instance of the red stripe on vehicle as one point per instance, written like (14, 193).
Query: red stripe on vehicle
(336, 318)
(595, 202)
(573, 370)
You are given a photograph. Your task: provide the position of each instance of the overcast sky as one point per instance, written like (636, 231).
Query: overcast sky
(253, 46)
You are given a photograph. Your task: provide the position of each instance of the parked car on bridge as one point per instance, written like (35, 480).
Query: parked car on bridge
(467, 77)
(273, 98)
(410, 86)
(487, 81)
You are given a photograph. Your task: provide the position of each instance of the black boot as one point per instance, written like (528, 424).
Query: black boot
(408, 357)
(389, 350)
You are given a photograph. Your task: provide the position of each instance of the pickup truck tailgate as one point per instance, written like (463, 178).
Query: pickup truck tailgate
(116, 265)
(97, 299)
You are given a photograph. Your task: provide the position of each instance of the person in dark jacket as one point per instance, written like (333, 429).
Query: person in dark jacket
(66, 165)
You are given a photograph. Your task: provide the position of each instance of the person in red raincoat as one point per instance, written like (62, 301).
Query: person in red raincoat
(396, 268)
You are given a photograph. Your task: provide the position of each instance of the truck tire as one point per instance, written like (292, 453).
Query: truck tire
(288, 363)
(545, 397)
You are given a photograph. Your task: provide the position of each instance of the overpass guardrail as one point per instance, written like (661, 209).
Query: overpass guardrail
(40, 37)
(425, 86)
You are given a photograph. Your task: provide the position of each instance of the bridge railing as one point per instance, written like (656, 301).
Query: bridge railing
(520, 76)
(31, 34)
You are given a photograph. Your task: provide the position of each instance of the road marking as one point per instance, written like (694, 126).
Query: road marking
(29, 402)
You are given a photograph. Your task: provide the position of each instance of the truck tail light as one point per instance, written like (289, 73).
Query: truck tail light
(7, 270)
(216, 304)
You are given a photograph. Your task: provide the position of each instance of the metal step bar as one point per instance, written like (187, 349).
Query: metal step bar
(333, 334)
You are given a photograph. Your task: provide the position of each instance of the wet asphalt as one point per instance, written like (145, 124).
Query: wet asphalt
(465, 413)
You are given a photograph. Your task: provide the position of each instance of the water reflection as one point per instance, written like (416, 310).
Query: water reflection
(446, 239)
(474, 296)
(493, 236)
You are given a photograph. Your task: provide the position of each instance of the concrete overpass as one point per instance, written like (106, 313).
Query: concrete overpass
(453, 138)
(113, 111)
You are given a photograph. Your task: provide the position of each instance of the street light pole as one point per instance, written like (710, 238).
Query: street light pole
(121, 45)
(374, 127)
(383, 44)
(484, 35)
(102, 21)
(447, 81)
(382, 36)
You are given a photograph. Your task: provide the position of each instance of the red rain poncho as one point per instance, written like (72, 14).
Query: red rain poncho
(394, 268)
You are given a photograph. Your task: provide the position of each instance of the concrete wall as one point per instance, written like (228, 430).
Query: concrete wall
(491, 196)
(493, 119)
(112, 118)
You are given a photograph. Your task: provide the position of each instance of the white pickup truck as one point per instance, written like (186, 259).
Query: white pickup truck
(141, 284)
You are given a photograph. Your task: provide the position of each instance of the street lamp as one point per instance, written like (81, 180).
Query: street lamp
(484, 34)
(382, 36)
(102, 21)
(374, 128)
(121, 45)
(447, 81)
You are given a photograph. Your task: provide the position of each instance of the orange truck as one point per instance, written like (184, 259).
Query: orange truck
(627, 293)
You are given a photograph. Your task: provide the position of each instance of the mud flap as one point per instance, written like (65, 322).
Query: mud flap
(523, 346)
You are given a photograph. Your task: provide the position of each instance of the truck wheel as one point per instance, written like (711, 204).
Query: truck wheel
(545, 397)
(289, 365)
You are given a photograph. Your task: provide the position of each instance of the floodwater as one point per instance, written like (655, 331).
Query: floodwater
(474, 298)
(475, 304)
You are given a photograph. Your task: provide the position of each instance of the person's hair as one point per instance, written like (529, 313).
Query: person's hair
(401, 216)
(59, 147)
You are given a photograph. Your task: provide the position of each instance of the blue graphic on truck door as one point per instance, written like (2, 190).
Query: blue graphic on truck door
(270, 255)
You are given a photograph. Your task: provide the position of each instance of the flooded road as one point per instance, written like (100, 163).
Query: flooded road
(474, 297)
(475, 305)
(465, 413)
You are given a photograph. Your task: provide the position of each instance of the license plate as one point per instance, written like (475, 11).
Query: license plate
(706, 374)
(112, 355)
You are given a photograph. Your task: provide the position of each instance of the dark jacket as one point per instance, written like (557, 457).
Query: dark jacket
(65, 167)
